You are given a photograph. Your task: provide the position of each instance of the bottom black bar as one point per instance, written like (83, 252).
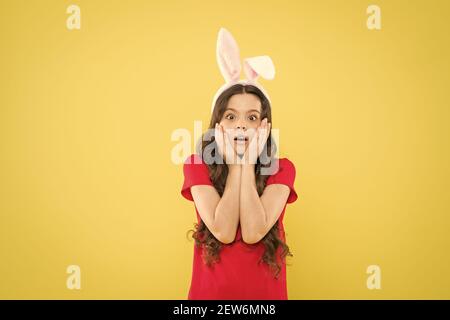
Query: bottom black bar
(226, 309)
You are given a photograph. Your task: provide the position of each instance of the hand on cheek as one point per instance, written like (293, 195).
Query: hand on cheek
(224, 145)
(257, 143)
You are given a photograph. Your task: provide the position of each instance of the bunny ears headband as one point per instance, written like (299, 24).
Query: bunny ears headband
(228, 58)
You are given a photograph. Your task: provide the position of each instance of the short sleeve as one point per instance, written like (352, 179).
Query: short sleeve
(195, 173)
(285, 175)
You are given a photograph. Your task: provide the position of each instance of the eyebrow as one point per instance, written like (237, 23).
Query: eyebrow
(247, 111)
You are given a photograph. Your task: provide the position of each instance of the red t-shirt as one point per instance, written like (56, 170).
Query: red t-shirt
(238, 275)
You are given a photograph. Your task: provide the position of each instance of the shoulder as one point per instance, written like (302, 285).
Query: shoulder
(286, 163)
(284, 166)
(282, 171)
(284, 175)
(194, 162)
(193, 159)
(196, 172)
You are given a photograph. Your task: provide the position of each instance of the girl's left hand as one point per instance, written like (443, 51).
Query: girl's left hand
(257, 144)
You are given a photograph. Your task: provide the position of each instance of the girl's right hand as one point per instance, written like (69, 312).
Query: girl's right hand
(224, 145)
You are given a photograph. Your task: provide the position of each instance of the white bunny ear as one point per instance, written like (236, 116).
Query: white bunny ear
(228, 56)
(259, 66)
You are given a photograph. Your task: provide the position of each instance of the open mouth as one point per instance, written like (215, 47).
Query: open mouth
(241, 138)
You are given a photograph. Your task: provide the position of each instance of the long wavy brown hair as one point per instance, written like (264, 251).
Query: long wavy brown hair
(218, 173)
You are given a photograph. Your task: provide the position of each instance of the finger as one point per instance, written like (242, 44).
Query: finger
(217, 133)
(266, 134)
(255, 138)
(227, 144)
(219, 140)
(217, 129)
(226, 134)
(222, 134)
(261, 131)
(264, 125)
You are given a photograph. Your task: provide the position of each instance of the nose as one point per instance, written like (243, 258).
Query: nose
(240, 126)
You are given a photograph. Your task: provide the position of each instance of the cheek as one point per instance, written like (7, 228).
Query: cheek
(254, 125)
(225, 124)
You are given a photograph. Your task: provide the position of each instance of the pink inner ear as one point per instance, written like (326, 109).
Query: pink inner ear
(228, 56)
(230, 67)
(249, 72)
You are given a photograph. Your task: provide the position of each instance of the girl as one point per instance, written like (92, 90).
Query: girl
(239, 199)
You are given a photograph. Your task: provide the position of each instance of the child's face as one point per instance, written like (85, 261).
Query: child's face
(242, 113)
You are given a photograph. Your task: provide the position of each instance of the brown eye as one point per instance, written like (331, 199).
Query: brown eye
(253, 117)
(229, 116)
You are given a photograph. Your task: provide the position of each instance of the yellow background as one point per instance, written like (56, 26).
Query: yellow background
(86, 117)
